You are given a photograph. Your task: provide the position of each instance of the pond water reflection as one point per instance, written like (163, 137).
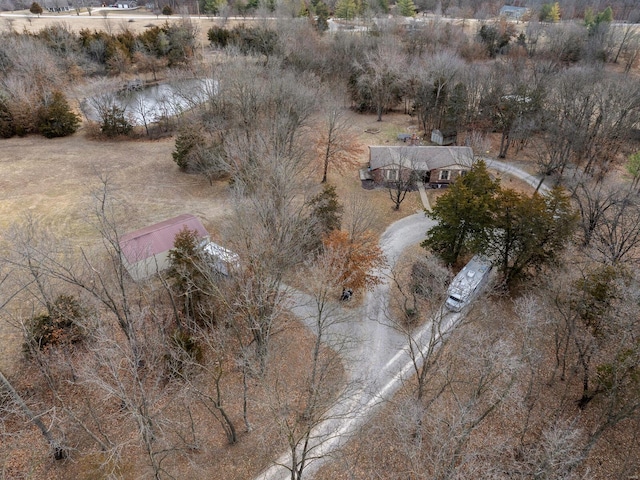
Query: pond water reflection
(151, 104)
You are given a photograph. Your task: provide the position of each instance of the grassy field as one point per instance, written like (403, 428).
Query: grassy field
(53, 180)
(111, 21)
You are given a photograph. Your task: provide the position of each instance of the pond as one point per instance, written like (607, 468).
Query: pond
(146, 105)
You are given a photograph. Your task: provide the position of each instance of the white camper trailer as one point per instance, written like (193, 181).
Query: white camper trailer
(222, 260)
(468, 283)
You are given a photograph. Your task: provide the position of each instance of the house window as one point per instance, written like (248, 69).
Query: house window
(463, 173)
(444, 175)
(391, 175)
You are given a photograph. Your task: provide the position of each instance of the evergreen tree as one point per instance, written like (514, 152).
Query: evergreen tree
(550, 12)
(632, 166)
(554, 13)
(406, 8)
(528, 232)
(589, 17)
(56, 118)
(7, 129)
(346, 9)
(325, 215)
(188, 141)
(518, 232)
(114, 122)
(188, 275)
(605, 16)
(322, 16)
(464, 216)
(213, 7)
(592, 20)
(219, 36)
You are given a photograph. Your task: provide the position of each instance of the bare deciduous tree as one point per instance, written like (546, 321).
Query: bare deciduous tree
(379, 79)
(435, 75)
(58, 448)
(401, 176)
(618, 234)
(336, 143)
(421, 297)
(303, 420)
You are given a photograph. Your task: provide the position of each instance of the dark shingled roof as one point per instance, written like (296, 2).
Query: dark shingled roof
(420, 158)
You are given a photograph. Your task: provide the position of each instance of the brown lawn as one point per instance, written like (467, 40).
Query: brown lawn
(115, 21)
(53, 181)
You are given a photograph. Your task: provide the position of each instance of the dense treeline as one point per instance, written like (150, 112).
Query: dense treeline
(551, 368)
(438, 73)
(37, 69)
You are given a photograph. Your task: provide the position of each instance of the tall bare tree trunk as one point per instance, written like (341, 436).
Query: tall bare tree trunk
(59, 451)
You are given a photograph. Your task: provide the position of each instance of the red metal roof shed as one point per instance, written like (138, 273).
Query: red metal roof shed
(159, 238)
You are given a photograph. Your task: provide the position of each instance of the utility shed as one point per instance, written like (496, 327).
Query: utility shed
(146, 251)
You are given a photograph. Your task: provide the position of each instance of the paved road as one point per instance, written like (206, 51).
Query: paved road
(504, 167)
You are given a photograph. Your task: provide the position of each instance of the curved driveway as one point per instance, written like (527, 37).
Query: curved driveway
(504, 167)
(380, 361)
(377, 361)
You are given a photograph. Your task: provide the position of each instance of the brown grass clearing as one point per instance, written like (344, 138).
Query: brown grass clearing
(136, 21)
(52, 180)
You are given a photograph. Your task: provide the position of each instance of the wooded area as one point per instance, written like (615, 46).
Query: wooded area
(195, 373)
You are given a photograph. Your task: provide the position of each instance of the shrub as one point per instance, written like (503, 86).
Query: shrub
(56, 118)
(35, 8)
(114, 122)
(257, 41)
(59, 326)
(167, 10)
(188, 142)
(23, 113)
(218, 36)
(7, 129)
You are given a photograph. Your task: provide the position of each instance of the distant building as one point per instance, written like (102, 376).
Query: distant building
(444, 137)
(146, 251)
(57, 5)
(126, 4)
(514, 13)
